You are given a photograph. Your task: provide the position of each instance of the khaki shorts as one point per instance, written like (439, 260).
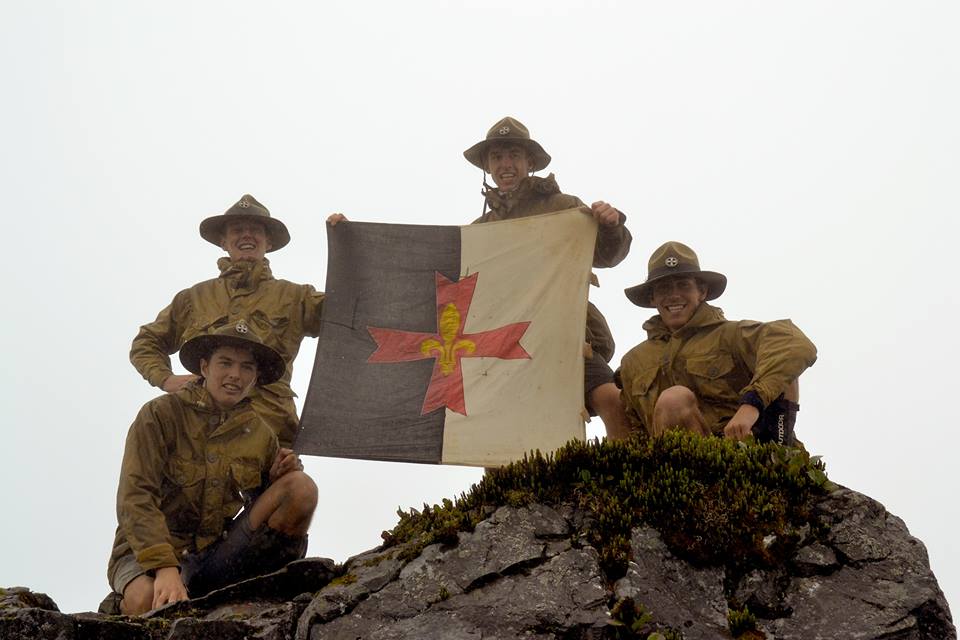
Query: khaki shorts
(125, 570)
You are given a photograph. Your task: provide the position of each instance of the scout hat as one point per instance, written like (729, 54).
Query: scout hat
(509, 130)
(246, 207)
(672, 259)
(270, 366)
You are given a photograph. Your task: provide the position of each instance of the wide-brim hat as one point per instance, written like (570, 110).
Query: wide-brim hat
(508, 131)
(246, 207)
(270, 365)
(674, 259)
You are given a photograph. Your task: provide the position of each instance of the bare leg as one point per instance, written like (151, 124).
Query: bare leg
(287, 505)
(605, 401)
(677, 408)
(792, 392)
(137, 596)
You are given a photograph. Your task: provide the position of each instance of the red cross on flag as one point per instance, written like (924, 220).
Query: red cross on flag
(453, 345)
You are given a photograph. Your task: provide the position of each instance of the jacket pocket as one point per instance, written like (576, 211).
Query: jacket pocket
(640, 382)
(246, 475)
(184, 498)
(186, 473)
(710, 375)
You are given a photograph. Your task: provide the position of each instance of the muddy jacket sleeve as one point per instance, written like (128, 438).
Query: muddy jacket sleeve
(779, 353)
(140, 491)
(312, 310)
(613, 244)
(151, 348)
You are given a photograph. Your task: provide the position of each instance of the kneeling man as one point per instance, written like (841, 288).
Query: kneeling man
(192, 460)
(700, 372)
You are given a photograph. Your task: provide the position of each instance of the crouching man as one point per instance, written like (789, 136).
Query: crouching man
(192, 460)
(703, 373)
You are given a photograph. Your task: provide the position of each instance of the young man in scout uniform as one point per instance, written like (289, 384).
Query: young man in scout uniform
(192, 459)
(280, 311)
(700, 372)
(510, 156)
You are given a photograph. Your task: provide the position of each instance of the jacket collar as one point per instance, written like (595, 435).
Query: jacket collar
(706, 315)
(244, 273)
(196, 397)
(505, 200)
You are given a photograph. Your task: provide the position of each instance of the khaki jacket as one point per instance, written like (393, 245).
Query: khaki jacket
(718, 359)
(280, 312)
(535, 196)
(185, 465)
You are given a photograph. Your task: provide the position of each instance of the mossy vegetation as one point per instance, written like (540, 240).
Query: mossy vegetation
(631, 620)
(743, 625)
(344, 580)
(714, 501)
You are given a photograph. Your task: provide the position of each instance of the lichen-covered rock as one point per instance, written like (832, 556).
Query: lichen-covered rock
(881, 585)
(674, 593)
(505, 579)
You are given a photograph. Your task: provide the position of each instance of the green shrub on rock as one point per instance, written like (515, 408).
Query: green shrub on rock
(714, 501)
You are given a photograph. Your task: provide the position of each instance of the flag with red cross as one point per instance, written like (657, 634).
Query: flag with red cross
(451, 344)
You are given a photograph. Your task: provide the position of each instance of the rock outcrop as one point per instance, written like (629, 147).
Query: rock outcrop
(530, 572)
(661, 539)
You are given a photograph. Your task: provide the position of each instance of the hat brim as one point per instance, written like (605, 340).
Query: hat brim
(211, 229)
(476, 153)
(270, 366)
(641, 294)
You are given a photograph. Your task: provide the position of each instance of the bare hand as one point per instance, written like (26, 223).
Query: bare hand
(174, 383)
(742, 422)
(285, 462)
(605, 213)
(334, 218)
(168, 587)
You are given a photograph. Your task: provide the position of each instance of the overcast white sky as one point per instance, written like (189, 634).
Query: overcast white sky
(810, 151)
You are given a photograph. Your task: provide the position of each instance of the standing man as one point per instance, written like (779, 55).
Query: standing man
(698, 371)
(192, 459)
(282, 312)
(510, 156)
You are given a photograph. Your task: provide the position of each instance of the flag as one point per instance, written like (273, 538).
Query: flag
(451, 344)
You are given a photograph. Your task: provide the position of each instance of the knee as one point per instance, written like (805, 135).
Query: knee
(676, 400)
(677, 408)
(300, 490)
(605, 396)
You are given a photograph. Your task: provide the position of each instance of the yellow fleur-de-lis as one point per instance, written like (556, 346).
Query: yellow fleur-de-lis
(446, 352)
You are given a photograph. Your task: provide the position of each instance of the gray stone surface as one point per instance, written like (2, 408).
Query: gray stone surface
(676, 594)
(883, 590)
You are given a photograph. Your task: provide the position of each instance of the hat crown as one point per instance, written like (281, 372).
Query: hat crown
(672, 256)
(508, 127)
(248, 206)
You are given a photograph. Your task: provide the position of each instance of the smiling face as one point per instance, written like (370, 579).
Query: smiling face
(245, 239)
(677, 299)
(508, 164)
(229, 375)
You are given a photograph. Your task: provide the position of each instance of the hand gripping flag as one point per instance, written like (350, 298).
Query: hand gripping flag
(451, 345)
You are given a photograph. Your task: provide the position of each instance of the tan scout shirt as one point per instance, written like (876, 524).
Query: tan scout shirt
(280, 312)
(718, 359)
(535, 196)
(185, 464)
